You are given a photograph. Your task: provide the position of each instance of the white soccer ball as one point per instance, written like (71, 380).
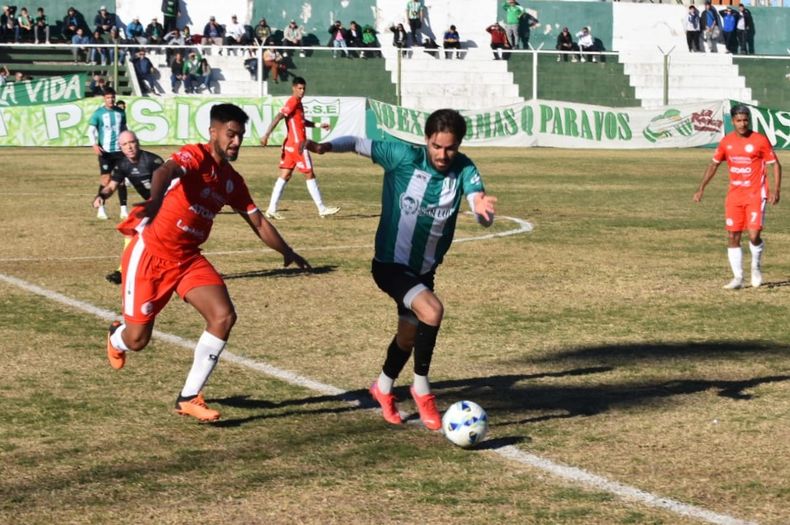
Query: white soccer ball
(465, 423)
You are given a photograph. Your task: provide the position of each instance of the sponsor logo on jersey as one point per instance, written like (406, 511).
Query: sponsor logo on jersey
(735, 170)
(184, 157)
(197, 209)
(200, 234)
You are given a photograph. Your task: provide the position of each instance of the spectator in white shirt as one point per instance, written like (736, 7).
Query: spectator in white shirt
(586, 44)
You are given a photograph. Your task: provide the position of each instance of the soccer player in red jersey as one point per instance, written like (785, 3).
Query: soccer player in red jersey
(747, 153)
(187, 192)
(294, 154)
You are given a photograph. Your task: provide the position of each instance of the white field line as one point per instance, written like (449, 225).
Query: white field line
(509, 452)
(522, 226)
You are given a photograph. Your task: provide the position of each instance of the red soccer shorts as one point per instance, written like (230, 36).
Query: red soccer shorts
(290, 158)
(149, 281)
(744, 213)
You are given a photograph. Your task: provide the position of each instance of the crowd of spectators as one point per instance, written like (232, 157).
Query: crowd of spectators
(189, 69)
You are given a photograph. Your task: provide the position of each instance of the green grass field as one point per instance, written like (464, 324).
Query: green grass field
(601, 340)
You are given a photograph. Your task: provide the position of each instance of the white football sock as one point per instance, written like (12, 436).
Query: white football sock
(206, 356)
(757, 255)
(385, 383)
(735, 255)
(315, 193)
(277, 193)
(421, 385)
(116, 339)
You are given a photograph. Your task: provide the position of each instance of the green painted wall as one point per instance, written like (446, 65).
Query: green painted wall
(603, 83)
(773, 30)
(340, 77)
(768, 81)
(316, 16)
(574, 15)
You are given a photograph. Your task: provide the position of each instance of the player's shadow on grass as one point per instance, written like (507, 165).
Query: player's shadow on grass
(280, 272)
(540, 401)
(776, 284)
(360, 399)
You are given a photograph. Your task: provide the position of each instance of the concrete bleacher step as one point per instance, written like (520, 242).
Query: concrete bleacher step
(688, 81)
(639, 31)
(472, 82)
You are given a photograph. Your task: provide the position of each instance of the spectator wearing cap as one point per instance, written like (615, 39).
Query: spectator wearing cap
(292, 36)
(155, 32)
(729, 23)
(262, 32)
(104, 20)
(338, 38)
(235, 33)
(213, 33)
(587, 44)
(135, 31)
(565, 43)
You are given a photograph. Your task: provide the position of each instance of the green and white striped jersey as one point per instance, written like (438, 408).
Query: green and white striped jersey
(419, 204)
(109, 124)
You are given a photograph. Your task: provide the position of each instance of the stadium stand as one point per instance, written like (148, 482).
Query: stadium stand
(638, 32)
(43, 61)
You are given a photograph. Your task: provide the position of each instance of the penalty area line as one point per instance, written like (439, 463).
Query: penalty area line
(508, 452)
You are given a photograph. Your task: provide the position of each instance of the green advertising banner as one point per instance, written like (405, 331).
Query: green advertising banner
(48, 90)
(772, 123)
(173, 120)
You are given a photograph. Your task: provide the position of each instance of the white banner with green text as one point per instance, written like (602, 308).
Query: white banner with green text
(174, 120)
(569, 125)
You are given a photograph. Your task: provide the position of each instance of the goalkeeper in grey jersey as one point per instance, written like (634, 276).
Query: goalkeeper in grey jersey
(421, 196)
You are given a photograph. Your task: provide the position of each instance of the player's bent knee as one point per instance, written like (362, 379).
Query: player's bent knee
(223, 322)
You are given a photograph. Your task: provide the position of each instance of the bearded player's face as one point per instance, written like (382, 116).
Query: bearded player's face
(226, 138)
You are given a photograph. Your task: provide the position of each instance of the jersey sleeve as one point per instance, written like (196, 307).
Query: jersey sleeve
(769, 155)
(289, 107)
(188, 158)
(389, 154)
(94, 120)
(471, 181)
(240, 198)
(720, 154)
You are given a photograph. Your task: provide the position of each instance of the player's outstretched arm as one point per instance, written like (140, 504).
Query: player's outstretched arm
(358, 145)
(773, 197)
(272, 238)
(265, 138)
(710, 171)
(160, 181)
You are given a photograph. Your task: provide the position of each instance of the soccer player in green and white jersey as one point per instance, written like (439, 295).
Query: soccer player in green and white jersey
(422, 193)
(104, 130)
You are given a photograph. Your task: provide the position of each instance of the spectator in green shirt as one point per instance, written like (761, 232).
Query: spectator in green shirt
(513, 14)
